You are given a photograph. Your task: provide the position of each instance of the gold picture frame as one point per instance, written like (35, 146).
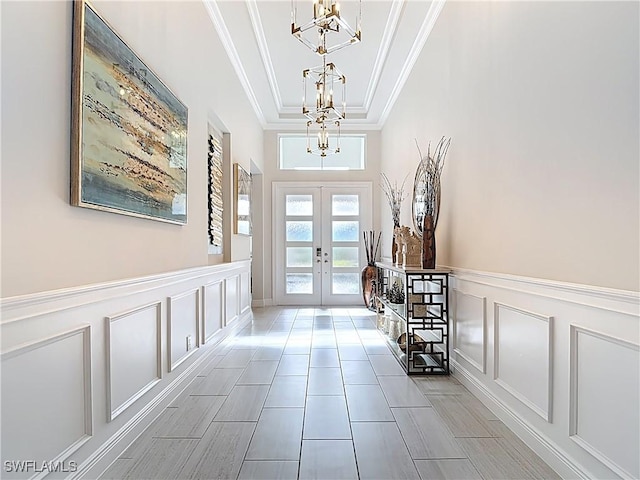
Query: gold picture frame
(242, 200)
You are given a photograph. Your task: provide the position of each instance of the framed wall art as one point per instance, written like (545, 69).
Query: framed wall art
(215, 182)
(129, 131)
(242, 195)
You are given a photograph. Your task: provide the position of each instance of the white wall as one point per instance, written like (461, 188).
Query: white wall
(541, 101)
(46, 243)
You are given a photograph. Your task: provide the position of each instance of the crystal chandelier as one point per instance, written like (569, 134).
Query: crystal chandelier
(330, 88)
(326, 19)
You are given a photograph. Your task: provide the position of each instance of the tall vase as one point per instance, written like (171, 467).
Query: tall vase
(394, 244)
(368, 279)
(428, 243)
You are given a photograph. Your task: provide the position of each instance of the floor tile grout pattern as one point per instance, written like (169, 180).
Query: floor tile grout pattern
(314, 393)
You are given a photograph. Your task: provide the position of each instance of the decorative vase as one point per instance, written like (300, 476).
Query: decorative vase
(428, 243)
(394, 245)
(368, 276)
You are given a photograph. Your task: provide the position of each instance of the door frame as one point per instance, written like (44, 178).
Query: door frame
(277, 236)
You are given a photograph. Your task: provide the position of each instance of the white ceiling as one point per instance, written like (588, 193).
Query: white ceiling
(269, 60)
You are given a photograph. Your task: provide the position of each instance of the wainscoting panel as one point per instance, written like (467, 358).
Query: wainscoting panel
(522, 357)
(232, 299)
(46, 397)
(134, 348)
(86, 369)
(213, 308)
(562, 367)
(605, 418)
(245, 292)
(183, 326)
(470, 328)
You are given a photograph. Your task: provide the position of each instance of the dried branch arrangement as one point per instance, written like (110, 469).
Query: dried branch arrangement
(369, 248)
(395, 196)
(426, 188)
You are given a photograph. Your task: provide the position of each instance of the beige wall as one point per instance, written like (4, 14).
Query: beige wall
(541, 100)
(46, 243)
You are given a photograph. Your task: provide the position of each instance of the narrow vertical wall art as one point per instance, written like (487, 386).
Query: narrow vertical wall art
(215, 182)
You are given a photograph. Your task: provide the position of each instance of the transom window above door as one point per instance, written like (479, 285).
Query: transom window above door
(292, 154)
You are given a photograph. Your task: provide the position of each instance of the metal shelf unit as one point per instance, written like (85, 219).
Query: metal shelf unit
(422, 342)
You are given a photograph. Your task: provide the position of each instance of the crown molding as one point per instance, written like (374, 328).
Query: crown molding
(383, 51)
(258, 31)
(427, 25)
(211, 6)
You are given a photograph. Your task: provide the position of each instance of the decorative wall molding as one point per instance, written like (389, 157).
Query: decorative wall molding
(113, 409)
(173, 322)
(84, 331)
(482, 365)
(574, 398)
(546, 412)
(207, 308)
(44, 303)
(232, 299)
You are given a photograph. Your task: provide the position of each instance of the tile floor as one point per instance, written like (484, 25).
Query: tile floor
(304, 393)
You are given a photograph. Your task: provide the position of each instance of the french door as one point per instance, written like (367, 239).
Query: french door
(318, 250)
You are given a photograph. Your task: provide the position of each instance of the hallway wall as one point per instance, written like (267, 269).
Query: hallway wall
(541, 101)
(48, 244)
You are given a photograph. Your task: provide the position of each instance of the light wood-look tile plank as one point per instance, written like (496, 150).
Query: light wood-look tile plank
(381, 453)
(366, 403)
(402, 392)
(278, 435)
(269, 352)
(385, 364)
(211, 364)
(117, 469)
(258, 373)
(325, 381)
(516, 448)
(449, 469)
(494, 461)
(191, 419)
(425, 434)
(220, 452)
(293, 365)
(328, 459)
(352, 351)
(358, 372)
(460, 417)
(243, 404)
(326, 418)
(287, 391)
(219, 382)
(440, 384)
(163, 459)
(268, 470)
(238, 358)
(324, 357)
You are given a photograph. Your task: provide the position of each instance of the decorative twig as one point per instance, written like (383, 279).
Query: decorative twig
(395, 196)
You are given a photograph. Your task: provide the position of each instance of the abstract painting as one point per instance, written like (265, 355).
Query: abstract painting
(242, 190)
(129, 132)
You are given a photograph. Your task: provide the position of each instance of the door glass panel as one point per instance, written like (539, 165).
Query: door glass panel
(299, 231)
(345, 205)
(299, 257)
(345, 257)
(299, 205)
(299, 283)
(345, 284)
(345, 231)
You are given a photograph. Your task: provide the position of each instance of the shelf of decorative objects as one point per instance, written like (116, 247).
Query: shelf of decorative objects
(413, 308)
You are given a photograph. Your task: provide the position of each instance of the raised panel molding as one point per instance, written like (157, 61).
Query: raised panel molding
(245, 292)
(183, 321)
(232, 299)
(603, 412)
(53, 416)
(213, 308)
(134, 351)
(523, 357)
(470, 328)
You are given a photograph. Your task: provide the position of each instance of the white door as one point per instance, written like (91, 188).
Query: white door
(318, 250)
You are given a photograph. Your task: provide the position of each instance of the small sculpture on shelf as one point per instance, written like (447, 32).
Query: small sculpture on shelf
(411, 247)
(396, 293)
